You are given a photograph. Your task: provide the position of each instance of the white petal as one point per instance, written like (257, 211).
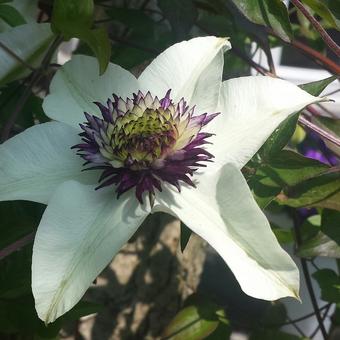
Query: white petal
(251, 108)
(26, 41)
(222, 211)
(77, 85)
(34, 162)
(80, 231)
(191, 69)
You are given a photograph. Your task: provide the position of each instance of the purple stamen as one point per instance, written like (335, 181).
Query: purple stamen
(137, 147)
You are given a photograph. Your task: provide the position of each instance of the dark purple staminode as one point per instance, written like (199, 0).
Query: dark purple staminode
(141, 142)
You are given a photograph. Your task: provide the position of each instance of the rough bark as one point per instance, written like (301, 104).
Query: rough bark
(146, 283)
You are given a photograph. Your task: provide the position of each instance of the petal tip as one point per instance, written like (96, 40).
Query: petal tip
(224, 42)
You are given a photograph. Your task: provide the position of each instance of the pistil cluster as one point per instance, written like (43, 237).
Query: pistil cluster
(143, 141)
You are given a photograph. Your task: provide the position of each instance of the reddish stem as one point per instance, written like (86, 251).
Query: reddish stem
(16, 245)
(324, 35)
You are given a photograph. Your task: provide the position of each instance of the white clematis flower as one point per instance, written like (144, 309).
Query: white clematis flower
(160, 146)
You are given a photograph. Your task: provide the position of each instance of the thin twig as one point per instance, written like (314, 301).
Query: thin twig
(324, 35)
(305, 122)
(307, 316)
(323, 318)
(316, 56)
(308, 278)
(35, 77)
(296, 327)
(15, 56)
(16, 245)
(325, 110)
(322, 59)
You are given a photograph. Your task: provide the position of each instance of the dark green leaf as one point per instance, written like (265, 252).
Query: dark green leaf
(197, 320)
(271, 13)
(15, 273)
(321, 9)
(18, 218)
(70, 17)
(311, 191)
(129, 57)
(31, 111)
(19, 315)
(11, 16)
(316, 87)
(334, 6)
(280, 137)
(74, 18)
(16, 38)
(264, 194)
(185, 236)
(284, 236)
(330, 224)
(331, 202)
(305, 182)
(275, 315)
(271, 334)
(133, 18)
(329, 283)
(81, 309)
(290, 168)
(99, 43)
(181, 14)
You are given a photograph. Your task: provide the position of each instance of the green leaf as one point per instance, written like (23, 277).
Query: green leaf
(181, 14)
(329, 283)
(31, 111)
(284, 236)
(11, 16)
(199, 319)
(280, 137)
(74, 18)
(185, 236)
(70, 17)
(15, 273)
(330, 224)
(321, 9)
(303, 181)
(133, 18)
(311, 191)
(271, 13)
(18, 219)
(289, 168)
(331, 202)
(275, 315)
(316, 87)
(39, 37)
(99, 43)
(334, 6)
(320, 245)
(19, 316)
